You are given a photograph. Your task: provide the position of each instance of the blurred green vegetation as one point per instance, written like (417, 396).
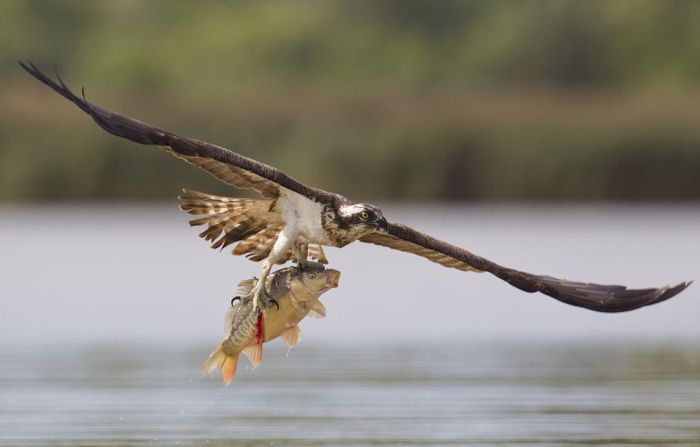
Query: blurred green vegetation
(395, 99)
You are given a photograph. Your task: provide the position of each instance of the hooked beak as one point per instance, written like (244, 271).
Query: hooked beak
(382, 224)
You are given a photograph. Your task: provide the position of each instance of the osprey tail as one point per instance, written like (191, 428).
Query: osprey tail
(232, 220)
(252, 223)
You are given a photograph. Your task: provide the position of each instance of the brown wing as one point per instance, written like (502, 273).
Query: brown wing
(226, 165)
(601, 298)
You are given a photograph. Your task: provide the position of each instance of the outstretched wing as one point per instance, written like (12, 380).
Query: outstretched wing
(226, 165)
(601, 298)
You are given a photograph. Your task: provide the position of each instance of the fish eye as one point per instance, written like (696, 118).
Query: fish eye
(312, 276)
(364, 215)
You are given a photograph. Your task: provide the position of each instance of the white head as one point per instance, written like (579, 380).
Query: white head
(361, 218)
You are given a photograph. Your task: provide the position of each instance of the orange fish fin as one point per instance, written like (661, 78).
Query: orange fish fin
(292, 336)
(245, 286)
(223, 361)
(228, 369)
(254, 354)
(317, 310)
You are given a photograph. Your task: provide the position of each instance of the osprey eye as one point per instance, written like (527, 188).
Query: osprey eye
(364, 215)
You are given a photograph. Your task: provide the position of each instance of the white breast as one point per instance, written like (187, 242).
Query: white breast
(303, 215)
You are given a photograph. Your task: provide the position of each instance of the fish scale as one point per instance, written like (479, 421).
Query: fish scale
(292, 294)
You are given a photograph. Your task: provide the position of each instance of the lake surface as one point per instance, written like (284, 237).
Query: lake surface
(107, 313)
(437, 394)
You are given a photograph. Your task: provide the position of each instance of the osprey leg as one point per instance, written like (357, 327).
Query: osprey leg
(282, 245)
(300, 250)
(258, 290)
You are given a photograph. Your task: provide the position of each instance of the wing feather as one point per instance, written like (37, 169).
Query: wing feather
(243, 172)
(598, 297)
(231, 168)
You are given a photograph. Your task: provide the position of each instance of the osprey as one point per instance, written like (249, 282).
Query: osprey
(294, 220)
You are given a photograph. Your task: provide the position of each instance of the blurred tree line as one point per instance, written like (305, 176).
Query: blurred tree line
(394, 99)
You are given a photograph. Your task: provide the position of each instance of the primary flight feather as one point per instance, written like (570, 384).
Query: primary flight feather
(294, 220)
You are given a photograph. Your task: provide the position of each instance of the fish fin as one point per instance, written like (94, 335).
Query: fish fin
(228, 318)
(317, 310)
(228, 369)
(254, 354)
(292, 336)
(246, 286)
(223, 361)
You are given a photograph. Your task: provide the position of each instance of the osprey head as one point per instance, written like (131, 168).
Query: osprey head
(362, 219)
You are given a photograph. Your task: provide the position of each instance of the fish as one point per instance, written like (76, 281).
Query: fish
(292, 294)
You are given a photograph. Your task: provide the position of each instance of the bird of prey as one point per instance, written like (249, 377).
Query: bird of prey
(294, 220)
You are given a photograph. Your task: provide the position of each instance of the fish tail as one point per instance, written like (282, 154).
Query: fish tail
(219, 359)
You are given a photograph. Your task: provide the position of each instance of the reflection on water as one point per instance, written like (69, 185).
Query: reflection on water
(517, 393)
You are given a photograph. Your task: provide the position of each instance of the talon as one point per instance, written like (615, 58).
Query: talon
(258, 297)
(262, 300)
(303, 265)
(274, 301)
(233, 300)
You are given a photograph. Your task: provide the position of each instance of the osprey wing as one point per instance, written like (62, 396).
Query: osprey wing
(231, 168)
(601, 298)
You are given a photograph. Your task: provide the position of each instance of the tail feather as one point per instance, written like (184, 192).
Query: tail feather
(252, 223)
(228, 219)
(221, 360)
(260, 243)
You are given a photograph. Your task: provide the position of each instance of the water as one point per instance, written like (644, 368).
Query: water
(323, 395)
(107, 313)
